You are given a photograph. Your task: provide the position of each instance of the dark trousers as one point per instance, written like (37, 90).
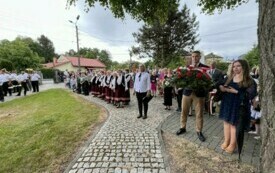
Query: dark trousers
(179, 98)
(35, 86)
(5, 88)
(1, 93)
(23, 85)
(140, 96)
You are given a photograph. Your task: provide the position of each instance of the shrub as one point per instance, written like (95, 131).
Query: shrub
(6, 64)
(47, 73)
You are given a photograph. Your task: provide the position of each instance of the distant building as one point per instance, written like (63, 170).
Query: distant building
(71, 64)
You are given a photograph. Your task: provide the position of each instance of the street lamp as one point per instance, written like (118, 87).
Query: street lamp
(77, 40)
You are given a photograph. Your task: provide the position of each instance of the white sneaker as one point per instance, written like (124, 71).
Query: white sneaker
(257, 137)
(252, 132)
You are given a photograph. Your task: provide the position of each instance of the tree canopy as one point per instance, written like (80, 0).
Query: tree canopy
(146, 10)
(253, 56)
(46, 48)
(164, 42)
(93, 53)
(19, 53)
(209, 6)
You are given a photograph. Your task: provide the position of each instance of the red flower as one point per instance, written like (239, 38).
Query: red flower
(189, 73)
(199, 75)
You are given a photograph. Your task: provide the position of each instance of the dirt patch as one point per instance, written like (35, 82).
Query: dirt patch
(186, 157)
(9, 113)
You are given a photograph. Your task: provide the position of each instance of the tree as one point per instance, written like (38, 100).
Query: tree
(33, 45)
(46, 48)
(253, 56)
(19, 53)
(165, 42)
(266, 32)
(6, 64)
(103, 55)
(146, 10)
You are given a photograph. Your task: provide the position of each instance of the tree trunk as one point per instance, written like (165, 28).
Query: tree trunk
(266, 37)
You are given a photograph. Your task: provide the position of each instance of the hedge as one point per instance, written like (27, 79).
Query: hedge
(47, 73)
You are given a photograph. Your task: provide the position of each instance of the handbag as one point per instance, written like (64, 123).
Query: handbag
(147, 99)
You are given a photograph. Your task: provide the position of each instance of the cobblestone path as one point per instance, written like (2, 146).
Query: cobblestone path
(124, 144)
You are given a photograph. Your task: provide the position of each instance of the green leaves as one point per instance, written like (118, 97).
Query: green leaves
(146, 10)
(19, 53)
(168, 41)
(253, 56)
(209, 6)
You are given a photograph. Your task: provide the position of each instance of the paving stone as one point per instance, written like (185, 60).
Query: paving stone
(88, 171)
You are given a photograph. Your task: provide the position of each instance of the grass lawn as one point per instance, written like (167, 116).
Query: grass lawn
(41, 132)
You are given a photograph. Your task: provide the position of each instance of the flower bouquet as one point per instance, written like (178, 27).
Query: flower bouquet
(168, 82)
(192, 78)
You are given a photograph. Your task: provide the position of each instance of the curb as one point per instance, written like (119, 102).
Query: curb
(92, 136)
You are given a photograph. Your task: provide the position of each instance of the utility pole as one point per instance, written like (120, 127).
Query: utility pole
(77, 39)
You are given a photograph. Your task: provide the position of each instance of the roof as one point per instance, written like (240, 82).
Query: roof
(85, 62)
(50, 64)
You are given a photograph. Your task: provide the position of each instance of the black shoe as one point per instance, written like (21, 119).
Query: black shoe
(144, 117)
(200, 136)
(190, 115)
(181, 131)
(139, 116)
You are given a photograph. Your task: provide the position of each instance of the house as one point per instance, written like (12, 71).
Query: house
(71, 64)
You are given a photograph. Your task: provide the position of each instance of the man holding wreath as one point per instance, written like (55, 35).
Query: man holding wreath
(198, 99)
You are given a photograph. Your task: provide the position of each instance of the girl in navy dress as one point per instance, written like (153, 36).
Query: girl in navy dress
(238, 84)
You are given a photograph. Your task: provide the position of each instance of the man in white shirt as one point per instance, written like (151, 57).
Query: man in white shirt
(35, 81)
(142, 88)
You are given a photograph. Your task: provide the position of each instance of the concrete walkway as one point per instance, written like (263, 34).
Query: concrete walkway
(124, 144)
(46, 84)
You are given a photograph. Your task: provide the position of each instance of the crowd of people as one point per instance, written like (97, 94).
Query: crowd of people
(13, 82)
(238, 88)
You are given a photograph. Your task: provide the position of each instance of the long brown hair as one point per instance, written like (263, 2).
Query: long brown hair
(247, 80)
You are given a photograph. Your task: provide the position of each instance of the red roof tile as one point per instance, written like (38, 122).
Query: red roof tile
(85, 62)
(51, 65)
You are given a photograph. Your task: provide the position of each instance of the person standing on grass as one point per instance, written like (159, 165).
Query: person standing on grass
(142, 88)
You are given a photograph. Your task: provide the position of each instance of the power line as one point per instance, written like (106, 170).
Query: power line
(239, 29)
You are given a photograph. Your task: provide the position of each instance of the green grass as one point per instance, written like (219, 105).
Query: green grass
(39, 133)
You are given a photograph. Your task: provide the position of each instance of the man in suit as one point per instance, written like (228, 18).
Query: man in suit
(216, 74)
(218, 78)
(142, 88)
(198, 99)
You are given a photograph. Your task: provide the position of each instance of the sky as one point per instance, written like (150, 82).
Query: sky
(229, 34)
